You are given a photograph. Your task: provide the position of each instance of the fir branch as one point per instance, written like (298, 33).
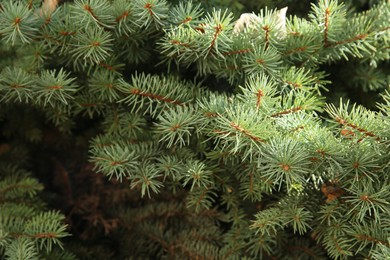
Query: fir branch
(356, 38)
(147, 90)
(55, 87)
(288, 111)
(296, 50)
(93, 12)
(21, 248)
(218, 25)
(123, 124)
(330, 17)
(147, 176)
(198, 176)
(151, 12)
(268, 221)
(104, 85)
(93, 46)
(284, 164)
(177, 125)
(358, 119)
(326, 27)
(115, 160)
(17, 22)
(260, 91)
(369, 203)
(245, 132)
(16, 84)
(262, 60)
(213, 159)
(47, 228)
(186, 13)
(201, 198)
(234, 52)
(238, 130)
(154, 96)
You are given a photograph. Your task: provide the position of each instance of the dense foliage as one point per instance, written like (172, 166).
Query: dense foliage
(180, 130)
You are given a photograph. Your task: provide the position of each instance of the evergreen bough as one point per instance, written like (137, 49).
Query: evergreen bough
(258, 167)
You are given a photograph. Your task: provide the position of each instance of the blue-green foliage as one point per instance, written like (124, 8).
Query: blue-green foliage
(261, 169)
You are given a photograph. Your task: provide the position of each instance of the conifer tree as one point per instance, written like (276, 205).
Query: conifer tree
(218, 125)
